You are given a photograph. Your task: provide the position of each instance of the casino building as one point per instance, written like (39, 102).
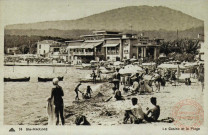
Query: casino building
(113, 46)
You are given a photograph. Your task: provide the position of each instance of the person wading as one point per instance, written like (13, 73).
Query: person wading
(57, 93)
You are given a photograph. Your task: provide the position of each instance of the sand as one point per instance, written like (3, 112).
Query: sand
(25, 103)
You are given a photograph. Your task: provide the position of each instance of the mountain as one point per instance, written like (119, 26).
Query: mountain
(75, 34)
(139, 17)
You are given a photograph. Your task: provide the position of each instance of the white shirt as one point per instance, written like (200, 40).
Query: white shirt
(137, 111)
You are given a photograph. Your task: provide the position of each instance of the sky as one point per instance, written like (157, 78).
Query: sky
(28, 11)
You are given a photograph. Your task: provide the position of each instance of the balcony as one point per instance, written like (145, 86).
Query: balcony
(112, 53)
(82, 53)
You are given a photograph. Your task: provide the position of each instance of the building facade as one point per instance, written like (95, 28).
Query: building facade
(113, 46)
(52, 49)
(12, 50)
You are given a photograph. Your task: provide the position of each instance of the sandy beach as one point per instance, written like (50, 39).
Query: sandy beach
(25, 103)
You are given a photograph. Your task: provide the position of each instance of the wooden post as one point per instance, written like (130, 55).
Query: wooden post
(13, 66)
(66, 68)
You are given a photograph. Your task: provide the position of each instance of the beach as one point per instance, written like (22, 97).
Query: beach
(25, 102)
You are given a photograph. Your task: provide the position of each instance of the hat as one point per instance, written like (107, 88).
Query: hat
(55, 81)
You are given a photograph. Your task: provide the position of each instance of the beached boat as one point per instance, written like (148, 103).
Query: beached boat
(41, 79)
(25, 79)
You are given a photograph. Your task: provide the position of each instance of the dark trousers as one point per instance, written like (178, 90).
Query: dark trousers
(94, 80)
(59, 111)
(116, 84)
(77, 95)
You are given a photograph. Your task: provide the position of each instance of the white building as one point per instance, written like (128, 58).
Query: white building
(46, 47)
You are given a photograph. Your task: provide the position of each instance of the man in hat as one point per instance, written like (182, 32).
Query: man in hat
(57, 93)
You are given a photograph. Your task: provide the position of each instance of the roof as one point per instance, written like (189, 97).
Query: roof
(47, 42)
(111, 45)
(86, 45)
(90, 44)
(143, 45)
(73, 41)
(104, 31)
(93, 41)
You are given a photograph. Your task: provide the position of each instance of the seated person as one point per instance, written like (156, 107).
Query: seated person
(135, 87)
(152, 114)
(187, 81)
(118, 95)
(141, 87)
(135, 114)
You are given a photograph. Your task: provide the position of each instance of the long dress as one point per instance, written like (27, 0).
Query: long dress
(51, 112)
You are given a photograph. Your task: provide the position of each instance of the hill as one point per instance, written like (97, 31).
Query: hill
(75, 34)
(139, 17)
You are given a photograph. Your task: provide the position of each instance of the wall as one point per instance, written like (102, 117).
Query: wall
(126, 49)
(45, 47)
(133, 49)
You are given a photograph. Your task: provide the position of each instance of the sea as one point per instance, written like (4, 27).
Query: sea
(25, 102)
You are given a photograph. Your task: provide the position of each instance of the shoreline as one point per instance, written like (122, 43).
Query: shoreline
(34, 64)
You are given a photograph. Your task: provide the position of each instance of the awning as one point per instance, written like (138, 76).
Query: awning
(111, 45)
(73, 47)
(90, 45)
(85, 45)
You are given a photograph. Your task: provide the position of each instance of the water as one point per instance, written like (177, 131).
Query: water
(25, 102)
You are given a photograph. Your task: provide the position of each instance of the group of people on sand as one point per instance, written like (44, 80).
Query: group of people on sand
(86, 95)
(56, 97)
(136, 115)
(135, 83)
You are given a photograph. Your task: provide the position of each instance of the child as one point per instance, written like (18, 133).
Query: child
(89, 90)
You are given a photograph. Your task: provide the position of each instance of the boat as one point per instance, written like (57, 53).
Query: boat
(25, 79)
(41, 79)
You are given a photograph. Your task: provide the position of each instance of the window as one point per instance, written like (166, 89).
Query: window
(56, 49)
(39, 46)
(126, 51)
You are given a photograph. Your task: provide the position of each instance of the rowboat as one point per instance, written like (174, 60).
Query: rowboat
(25, 79)
(41, 79)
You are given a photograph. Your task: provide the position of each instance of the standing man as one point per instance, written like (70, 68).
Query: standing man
(117, 79)
(76, 91)
(57, 93)
(201, 75)
(98, 72)
(94, 76)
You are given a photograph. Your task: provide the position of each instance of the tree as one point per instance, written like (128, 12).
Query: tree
(24, 49)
